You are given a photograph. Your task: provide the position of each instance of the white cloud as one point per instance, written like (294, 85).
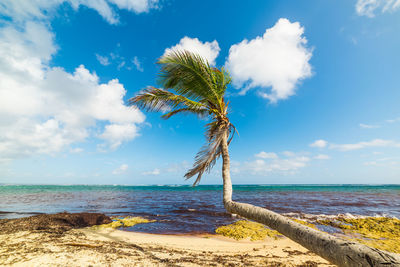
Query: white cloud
(265, 155)
(319, 143)
(322, 157)
(22, 10)
(137, 6)
(361, 145)
(279, 59)
(45, 109)
(369, 7)
(208, 50)
(115, 134)
(121, 169)
(103, 60)
(289, 164)
(262, 167)
(137, 64)
(114, 58)
(153, 172)
(369, 126)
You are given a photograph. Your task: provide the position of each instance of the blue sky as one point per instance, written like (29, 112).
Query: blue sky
(315, 96)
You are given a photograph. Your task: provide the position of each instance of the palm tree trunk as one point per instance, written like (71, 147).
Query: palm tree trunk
(336, 250)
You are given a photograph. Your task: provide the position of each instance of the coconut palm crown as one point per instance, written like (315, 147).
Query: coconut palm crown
(190, 85)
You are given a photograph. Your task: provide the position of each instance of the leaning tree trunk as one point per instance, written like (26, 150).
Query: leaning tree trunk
(336, 250)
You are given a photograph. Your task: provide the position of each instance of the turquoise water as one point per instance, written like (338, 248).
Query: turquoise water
(182, 209)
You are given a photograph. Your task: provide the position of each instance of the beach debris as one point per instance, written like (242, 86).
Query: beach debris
(124, 222)
(377, 232)
(247, 229)
(56, 223)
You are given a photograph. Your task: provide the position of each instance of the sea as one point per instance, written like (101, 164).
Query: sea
(182, 209)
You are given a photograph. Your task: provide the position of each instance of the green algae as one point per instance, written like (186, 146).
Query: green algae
(254, 231)
(131, 221)
(378, 232)
(246, 229)
(124, 222)
(114, 224)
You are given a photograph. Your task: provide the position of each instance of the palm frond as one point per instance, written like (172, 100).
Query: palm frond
(156, 99)
(189, 75)
(201, 112)
(209, 153)
(221, 80)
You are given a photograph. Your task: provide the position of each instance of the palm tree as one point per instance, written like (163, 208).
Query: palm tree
(191, 85)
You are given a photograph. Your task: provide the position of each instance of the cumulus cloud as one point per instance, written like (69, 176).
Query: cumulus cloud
(369, 8)
(44, 109)
(265, 155)
(22, 10)
(121, 169)
(208, 50)
(262, 167)
(265, 166)
(319, 143)
(279, 59)
(367, 144)
(115, 134)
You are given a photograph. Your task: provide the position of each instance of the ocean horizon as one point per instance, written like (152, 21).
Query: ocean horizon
(188, 209)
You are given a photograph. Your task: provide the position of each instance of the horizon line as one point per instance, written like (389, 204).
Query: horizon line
(277, 184)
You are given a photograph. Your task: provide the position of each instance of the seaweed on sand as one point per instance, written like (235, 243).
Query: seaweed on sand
(124, 222)
(378, 232)
(246, 229)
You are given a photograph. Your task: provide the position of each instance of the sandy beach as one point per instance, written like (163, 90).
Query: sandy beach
(94, 239)
(110, 247)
